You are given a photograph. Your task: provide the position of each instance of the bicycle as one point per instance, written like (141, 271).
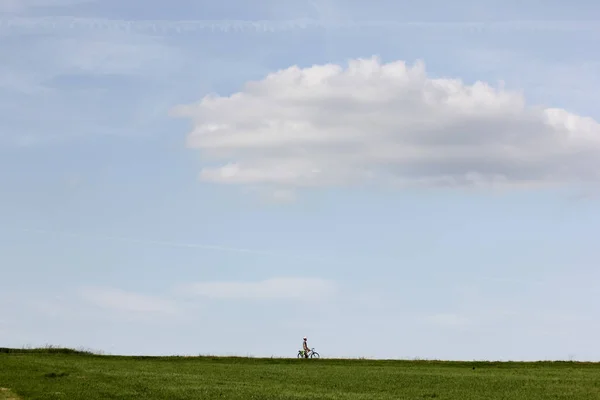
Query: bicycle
(311, 354)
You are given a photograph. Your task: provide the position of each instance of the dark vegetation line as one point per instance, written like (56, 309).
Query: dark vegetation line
(47, 350)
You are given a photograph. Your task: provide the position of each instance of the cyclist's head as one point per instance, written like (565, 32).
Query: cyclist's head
(304, 337)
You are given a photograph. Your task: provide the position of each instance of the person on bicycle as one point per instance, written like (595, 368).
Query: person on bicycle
(305, 347)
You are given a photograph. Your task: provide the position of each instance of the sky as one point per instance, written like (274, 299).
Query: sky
(391, 180)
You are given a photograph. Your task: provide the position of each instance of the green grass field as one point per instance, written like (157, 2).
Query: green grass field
(70, 375)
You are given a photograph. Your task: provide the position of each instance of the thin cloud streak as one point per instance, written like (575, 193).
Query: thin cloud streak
(152, 242)
(239, 26)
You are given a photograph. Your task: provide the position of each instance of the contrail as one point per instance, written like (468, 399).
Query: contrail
(154, 26)
(67, 23)
(152, 242)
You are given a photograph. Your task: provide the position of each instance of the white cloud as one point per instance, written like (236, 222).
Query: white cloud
(389, 124)
(276, 288)
(129, 302)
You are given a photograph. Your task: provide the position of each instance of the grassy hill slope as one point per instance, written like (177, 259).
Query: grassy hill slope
(67, 374)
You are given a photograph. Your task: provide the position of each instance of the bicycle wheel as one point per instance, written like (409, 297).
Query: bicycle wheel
(300, 354)
(314, 354)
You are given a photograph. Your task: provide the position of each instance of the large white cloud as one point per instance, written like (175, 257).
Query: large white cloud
(386, 123)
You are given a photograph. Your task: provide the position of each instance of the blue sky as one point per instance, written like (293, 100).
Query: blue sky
(384, 212)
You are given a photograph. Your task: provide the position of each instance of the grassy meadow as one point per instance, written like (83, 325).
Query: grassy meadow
(67, 374)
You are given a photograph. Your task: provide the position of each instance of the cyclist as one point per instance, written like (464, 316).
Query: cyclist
(305, 347)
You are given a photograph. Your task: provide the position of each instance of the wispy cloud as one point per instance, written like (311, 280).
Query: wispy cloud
(36, 62)
(120, 300)
(282, 196)
(84, 83)
(305, 289)
(447, 320)
(17, 6)
(68, 23)
(149, 242)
